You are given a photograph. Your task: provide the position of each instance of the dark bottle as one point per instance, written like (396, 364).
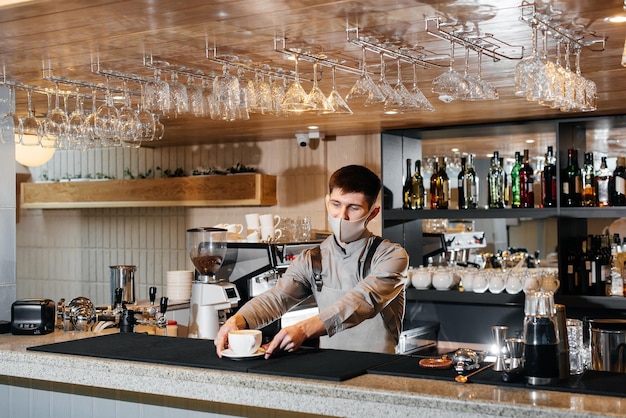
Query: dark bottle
(541, 339)
(589, 182)
(619, 183)
(548, 180)
(495, 184)
(527, 181)
(417, 186)
(505, 182)
(440, 186)
(461, 184)
(586, 281)
(572, 271)
(603, 181)
(407, 189)
(516, 198)
(571, 181)
(472, 184)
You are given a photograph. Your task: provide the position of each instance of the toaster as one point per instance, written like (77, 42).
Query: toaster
(33, 316)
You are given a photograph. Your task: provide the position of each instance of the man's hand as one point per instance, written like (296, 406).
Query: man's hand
(233, 323)
(291, 338)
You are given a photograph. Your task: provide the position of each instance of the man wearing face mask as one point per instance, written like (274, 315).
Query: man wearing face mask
(360, 291)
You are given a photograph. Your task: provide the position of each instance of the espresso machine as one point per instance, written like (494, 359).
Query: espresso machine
(211, 297)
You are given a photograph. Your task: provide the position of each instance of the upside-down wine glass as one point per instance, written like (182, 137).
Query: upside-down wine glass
(296, 99)
(450, 85)
(334, 102)
(30, 129)
(420, 98)
(316, 96)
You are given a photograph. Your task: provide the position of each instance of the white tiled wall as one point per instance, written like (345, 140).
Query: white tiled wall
(7, 219)
(67, 253)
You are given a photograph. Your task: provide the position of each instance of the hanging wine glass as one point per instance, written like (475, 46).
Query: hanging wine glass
(10, 122)
(158, 94)
(296, 99)
(335, 101)
(196, 97)
(386, 93)
(178, 96)
(55, 124)
(316, 96)
(106, 127)
(145, 119)
(159, 129)
(90, 123)
(30, 129)
(128, 124)
(418, 96)
(364, 87)
(450, 85)
(76, 123)
(279, 87)
(402, 100)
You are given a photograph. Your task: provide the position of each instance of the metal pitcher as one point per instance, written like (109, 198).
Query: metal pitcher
(123, 277)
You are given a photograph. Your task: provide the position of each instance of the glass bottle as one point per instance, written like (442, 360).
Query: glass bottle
(548, 180)
(407, 189)
(588, 180)
(527, 181)
(619, 181)
(516, 199)
(505, 183)
(541, 339)
(440, 186)
(572, 271)
(468, 184)
(495, 182)
(417, 185)
(571, 181)
(603, 180)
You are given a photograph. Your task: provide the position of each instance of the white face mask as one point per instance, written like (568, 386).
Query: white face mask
(348, 231)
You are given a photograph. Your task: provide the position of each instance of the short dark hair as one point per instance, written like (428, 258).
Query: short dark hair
(356, 179)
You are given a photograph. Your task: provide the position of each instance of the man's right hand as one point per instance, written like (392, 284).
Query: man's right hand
(233, 323)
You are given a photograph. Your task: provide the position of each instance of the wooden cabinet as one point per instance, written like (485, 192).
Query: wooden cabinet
(249, 189)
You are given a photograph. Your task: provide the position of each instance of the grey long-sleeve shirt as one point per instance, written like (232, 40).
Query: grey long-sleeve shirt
(381, 292)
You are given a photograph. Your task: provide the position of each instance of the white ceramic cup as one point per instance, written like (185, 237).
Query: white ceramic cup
(244, 342)
(268, 220)
(233, 228)
(269, 233)
(253, 221)
(254, 236)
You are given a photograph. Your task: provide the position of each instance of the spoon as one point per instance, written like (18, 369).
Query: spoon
(465, 378)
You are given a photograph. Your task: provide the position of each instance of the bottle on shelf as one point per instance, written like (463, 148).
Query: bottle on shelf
(495, 183)
(407, 189)
(572, 271)
(586, 282)
(516, 198)
(548, 180)
(440, 186)
(603, 180)
(505, 182)
(461, 187)
(571, 181)
(467, 184)
(588, 180)
(527, 180)
(417, 186)
(619, 183)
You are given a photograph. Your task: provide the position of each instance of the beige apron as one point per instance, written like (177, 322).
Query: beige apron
(364, 337)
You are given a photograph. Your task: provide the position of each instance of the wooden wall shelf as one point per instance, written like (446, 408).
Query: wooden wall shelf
(250, 189)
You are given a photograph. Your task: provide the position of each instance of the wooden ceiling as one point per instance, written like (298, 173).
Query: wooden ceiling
(68, 36)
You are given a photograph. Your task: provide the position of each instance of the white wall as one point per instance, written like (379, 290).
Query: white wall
(67, 253)
(7, 218)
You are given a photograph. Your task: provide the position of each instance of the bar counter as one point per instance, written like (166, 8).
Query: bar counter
(249, 394)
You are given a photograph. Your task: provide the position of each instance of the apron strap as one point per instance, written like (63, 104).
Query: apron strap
(316, 262)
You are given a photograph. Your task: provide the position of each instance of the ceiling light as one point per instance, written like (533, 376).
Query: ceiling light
(454, 150)
(32, 156)
(530, 141)
(616, 19)
(624, 55)
(313, 127)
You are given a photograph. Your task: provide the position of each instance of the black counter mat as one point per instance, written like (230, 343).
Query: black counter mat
(335, 365)
(591, 382)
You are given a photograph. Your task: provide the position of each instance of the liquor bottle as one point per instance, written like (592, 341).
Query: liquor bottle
(603, 181)
(417, 186)
(589, 183)
(571, 182)
(461, 187)
(407, 189)
(527, 181)
(586, 283)
(467, 184)
(572, 271)
(516, 199)
(548, 180)
(472, 183)
(505, 182)
(440, 186)
(619, 181)
(495, 183)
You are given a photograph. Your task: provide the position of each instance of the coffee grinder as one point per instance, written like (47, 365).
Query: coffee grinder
(211, 298)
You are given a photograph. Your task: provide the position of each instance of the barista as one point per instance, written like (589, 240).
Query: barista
(357, 311)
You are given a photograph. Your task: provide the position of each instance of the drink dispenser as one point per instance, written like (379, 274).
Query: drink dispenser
(541, 339)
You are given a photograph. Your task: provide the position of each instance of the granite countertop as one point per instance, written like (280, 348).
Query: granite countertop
(367, 395)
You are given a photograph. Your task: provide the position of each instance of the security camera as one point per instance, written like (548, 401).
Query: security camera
(303, 140)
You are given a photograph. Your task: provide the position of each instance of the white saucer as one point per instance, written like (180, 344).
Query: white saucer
(231, 354)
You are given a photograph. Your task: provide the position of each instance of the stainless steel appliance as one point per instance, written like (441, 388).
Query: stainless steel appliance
(211, 296)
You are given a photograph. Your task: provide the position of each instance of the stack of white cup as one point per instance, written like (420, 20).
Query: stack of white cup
(262, 227)
(178, 285)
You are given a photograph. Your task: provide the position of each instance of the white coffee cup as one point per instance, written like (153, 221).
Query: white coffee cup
(233, 228)
(253, 236)
(244, 342)
(268, 220)
(253, 221)
(269, 233)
